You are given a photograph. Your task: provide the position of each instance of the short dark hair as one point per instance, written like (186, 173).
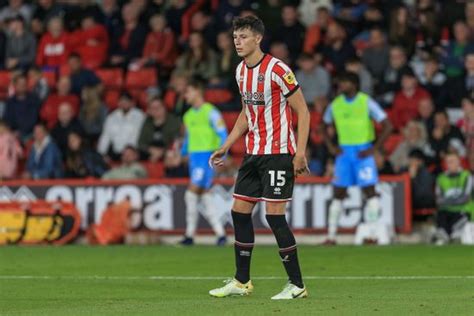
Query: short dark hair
(197, 83)
(351, 77)
(74, 56)
(250, 22)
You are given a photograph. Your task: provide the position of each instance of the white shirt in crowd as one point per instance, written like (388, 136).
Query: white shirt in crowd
(121, 129)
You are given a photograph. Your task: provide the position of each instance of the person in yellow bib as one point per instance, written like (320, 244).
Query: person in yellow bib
(205, 132)
(352, 112)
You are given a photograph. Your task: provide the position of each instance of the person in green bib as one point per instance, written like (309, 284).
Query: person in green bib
(454, 197)
(205, 132)
(352, 113)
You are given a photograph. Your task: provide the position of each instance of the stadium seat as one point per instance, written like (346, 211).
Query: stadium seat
(230, 118)
(5, 78)
(112, 78)
(218, 95)
(141, 79)
(155, 170)
(392, 143)
(424, 211)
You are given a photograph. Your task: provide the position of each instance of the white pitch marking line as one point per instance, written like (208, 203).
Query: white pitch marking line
(198, 278)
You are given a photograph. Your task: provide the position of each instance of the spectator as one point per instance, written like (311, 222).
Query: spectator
(44, 161)
(76, 10)
(337, 49)
(392, 75)
(198, 59)
(316, 33)
(313, 79)
(21, 45)
(111, 18)
(204, 24)
(459, 87)
(433, 80)
(291, 31)
(174, 14)
(308, 8)
(454, 54)
(428, 36)
(22, 109)
(128, 43)
(121, 128)
(10, 152)
(174, 168)
(405, 103)
(376, 56)
(454, 199)
(401, 33)
(422, 181)
(355, 65)
(44, 11)
(80, 76)
(129, 168)
(228, 10)
(93, 43)
(280, 50)
(426, 111)
(228, 61)
(270, 12)
(174, 95)
(16, 8)
(66, 124)
(92, 114)
(466, 124)
(160, 129)
(160, 45)
(81, 161)
(446, 137)
(37, 83)
(49, 110)
(383, 164)
(414, 137)
(54, 46)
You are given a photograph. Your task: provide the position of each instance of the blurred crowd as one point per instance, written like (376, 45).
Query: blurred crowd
(63, 117)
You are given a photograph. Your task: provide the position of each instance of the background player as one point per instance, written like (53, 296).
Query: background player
(205, 132)
(269, 93)
(352, 113)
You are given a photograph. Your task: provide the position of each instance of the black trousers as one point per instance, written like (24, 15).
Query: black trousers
(447, 220)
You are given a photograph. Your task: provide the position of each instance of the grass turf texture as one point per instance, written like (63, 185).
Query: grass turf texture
(71, 289)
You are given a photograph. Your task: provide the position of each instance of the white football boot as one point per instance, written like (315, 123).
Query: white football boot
(233, 287)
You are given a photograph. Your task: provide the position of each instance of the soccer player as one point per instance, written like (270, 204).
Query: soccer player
(205, 132)
(352, 113)
(270, 93)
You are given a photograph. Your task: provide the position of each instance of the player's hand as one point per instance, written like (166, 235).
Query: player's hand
(217, 158)
(300, 165)
(366, 153)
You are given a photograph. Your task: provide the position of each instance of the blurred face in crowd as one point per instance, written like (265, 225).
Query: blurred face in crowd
(130, 13)
(413, 132)
(279, 50)
(246, 42)
(453, 163)
(425, 108)
(431, 67)
(468, 108)
(461, 32)
(45, 3)
(125, 103)
(109, 5)
(65, 113)
(3, 128)
(21, 86)
(224, 41)
(441, 120)
(15, 3)
(87, 23)
(397, 58)
(409, 82)
(289, 15)
(157, 23)
(199, 21)
(129, 156)
(469, 64)
(353, 67)
(322, 16)
(306, 64)
(39, 133)
(377, 38)
(55, 27)
(402, 15)
(195, 41)
(16, 26)
(64, 85)
(157, 110)
(74, 141)
(335, 32)
(74, 63)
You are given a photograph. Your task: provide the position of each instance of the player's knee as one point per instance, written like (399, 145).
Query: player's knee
(340, 193)
(273, 208)
(241, 206)
(369, 191)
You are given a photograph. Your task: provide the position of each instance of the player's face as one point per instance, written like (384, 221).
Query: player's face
(246, 42)
(452, 163)
(191, 94)
(346, 87)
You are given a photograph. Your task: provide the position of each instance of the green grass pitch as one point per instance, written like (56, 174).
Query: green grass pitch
(163, 280)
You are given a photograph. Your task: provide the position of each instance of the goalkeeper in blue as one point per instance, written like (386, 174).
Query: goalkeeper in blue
(205, 132)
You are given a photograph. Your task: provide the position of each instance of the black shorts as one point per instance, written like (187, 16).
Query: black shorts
(265, 177)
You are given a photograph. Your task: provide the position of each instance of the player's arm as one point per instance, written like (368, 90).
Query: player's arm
(240, 127)
(298, 104)
(328, 120)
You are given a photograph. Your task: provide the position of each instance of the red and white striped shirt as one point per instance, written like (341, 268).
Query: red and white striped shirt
(265, 88)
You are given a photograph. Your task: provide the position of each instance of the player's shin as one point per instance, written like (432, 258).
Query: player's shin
(211, 215)
(287, 244)
(335, 210)
(372, 209)
(191, 199)
(244, 241)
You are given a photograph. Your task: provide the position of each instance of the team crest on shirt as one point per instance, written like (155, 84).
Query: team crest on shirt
(289, 77)
(261, 77)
